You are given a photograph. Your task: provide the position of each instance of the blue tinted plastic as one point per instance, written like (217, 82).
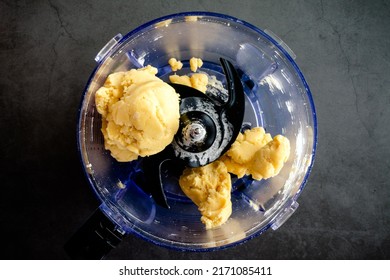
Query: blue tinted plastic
(277, 98)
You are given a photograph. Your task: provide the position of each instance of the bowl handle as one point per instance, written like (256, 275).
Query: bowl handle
(108, 47)
(95, 239)
(281, 43)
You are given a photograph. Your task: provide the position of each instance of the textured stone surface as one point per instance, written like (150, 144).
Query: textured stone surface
(342, 47)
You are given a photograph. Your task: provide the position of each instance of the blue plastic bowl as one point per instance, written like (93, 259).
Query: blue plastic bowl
(278, 99)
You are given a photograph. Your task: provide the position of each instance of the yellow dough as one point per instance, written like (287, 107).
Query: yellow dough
(253, 153)
(182, 80)
(256, 153)
(209, 188)
(175, 64)
(269, 160)
(195, 63)
(140, 113)
(140, 116)
(191, 18)
(198, 81)
(247, 144)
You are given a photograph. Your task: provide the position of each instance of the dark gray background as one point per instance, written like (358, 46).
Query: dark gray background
(342, 47)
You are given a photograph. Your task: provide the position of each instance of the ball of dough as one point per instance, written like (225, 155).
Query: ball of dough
(140, 114)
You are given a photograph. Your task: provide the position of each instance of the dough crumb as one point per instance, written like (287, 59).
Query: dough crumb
(198, 81)
(175, 64)
(195, 63)
(182, 80)
(191, 18)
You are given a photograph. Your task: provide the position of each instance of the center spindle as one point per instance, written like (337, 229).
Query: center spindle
(194, 132)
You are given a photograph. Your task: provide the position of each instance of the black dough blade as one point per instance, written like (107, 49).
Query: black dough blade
(206, 132)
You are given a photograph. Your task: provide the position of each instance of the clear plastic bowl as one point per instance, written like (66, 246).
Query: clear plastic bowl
(277, 98)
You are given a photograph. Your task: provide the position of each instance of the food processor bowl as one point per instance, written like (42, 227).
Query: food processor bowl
(277, 98)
